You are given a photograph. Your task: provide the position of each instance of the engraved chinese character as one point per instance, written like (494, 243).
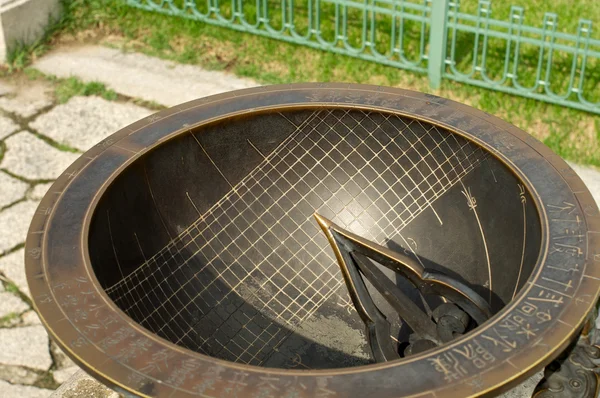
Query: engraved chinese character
(80, 280)
(44, 299)
(323, 390)
(80, 314)
(158, 361)
(565, 285)
(500, 340)
(548, 297)
(562, 209)
(352, 97)
(188, 368)
(571, 250)
(69, 300)
(293, 388)
(209, 378)
(235, 384)
(267, 388)
(449, 367)
(79, 342)
(88, 295)
(475, 353)
(34, 253)
(134, 349)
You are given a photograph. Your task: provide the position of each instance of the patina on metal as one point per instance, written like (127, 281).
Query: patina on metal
(180, 257)
(354, 253)
(575, 375)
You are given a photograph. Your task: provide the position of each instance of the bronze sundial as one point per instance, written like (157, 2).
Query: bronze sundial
(316, 240)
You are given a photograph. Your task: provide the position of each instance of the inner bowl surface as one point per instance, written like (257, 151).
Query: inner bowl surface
(209, 240)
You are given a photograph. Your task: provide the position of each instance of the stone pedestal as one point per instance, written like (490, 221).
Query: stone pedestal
(24, 22)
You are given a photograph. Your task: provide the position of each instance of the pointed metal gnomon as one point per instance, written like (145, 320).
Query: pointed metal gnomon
(354, 255)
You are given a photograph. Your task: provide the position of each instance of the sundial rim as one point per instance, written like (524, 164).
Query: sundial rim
(63, 284)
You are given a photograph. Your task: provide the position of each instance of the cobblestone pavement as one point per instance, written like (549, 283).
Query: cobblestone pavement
(38, 140)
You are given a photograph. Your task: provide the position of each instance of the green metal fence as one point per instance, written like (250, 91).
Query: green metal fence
(431, 37)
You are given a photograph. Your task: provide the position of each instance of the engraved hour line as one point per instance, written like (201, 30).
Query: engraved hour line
(193, 204)
(566, 285)
(523, 203)
(425, 304)
(429, 153)
(446, 176)
(154, 202)
(492, 171)
(206, 245)
(209, 284)
(217, 205)
(242, 217)
(112, 242)
(472, 205)
(141, 313)
(413, 189)
(256, 149)
(570, 269)
(553, 291)
(211, 160)
(192, 225)
(436, 214)
(225, 198)
(293, 302)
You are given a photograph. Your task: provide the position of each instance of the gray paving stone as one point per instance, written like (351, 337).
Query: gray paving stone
(30, 318)
(25, 346)
(139, 76)
(11, 189)
(84, 121)
(525, 389)
(14, 222)
(17, 375)
(6, 88)
(38, 192)
(7, 126)
(83, 386)
(591, 178)
(8, 390)
(60, 358)
(13, 267)
(60, 376)
(30, 157)
(27, 101)
(11, 304)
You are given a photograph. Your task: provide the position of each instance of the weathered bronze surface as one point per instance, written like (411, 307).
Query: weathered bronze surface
(575, 375)
(358, 257)
(180, 256)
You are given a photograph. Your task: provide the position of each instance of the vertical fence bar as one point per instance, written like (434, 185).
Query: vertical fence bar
(437, 42)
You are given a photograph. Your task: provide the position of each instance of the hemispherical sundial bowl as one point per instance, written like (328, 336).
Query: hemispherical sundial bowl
(316, 240)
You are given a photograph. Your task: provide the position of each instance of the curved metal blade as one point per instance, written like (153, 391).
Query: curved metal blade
(353, 253)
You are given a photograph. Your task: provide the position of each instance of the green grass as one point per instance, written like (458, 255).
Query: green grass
(65, 89)
(575, 135)
(22, 55)
(11, 287)
(7, 320)
(46, 380)
(68, 88)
